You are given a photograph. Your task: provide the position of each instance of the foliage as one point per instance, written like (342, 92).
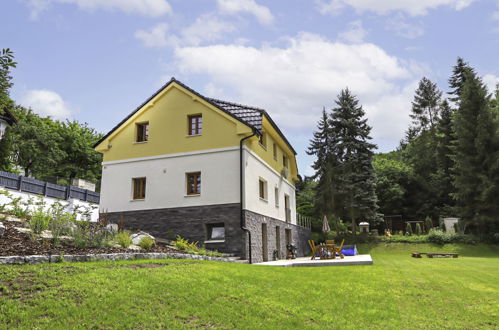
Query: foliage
(88, 235)
(193, 248)
(123, 239)
(437, 236)
(39, 221)
(408, 229)
(146, 243)
(418, 229)
(476, 179)
(426, 105)
(428, 224)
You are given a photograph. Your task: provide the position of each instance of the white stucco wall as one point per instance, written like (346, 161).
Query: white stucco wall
(49, 201)
(256, 168)
(166, 180)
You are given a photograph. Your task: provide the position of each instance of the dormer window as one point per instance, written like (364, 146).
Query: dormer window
(195, 125)
(142, 132)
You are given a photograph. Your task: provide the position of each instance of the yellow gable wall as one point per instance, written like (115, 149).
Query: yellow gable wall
(167, 116)
(267, 153)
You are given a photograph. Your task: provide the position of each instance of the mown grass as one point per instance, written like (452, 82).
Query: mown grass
(396, 292)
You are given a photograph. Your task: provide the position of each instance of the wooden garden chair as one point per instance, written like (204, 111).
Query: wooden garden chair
(337, 249)
(315, 249)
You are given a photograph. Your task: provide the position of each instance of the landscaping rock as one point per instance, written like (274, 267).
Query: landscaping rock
(2, 229)
(134, 247)
(112, 227)
(137, 237)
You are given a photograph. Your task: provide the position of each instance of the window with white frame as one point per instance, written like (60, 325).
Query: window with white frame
(262, 189)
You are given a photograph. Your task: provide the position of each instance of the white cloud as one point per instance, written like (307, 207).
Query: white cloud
(399, 24)
(46, 103)
(355, 32)
(155, 37)
(207, 27)
(261, 13)
(411, 7)
(296, 81)
(491, 82)
(152, 8)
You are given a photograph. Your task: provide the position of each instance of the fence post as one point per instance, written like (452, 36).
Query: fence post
(45, 189)
(68, 192)
(86, 195)
(20, 183)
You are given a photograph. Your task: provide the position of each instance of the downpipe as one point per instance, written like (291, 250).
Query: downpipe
(241, 190)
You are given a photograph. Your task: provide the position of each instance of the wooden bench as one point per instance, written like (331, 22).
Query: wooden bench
(434, 255)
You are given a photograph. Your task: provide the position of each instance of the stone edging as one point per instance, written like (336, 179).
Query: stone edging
(34, 259)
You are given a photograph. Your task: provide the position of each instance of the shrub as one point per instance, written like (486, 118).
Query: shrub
(87, 235)
(408, 229)
(439, 237)
(146, 243)
(181, 243)
(418, 229)
(123, 239)
(428, 224)
(39, 221)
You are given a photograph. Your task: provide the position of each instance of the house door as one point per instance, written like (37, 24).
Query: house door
(265, 251)
(288, 237)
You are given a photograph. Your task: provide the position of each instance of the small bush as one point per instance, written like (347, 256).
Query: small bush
(408, 229)
(428, 224)
(87, 235)
(439, 237)
(181, 243)
(146, 243)
(39, 221)
(123, 239)
(418, 229)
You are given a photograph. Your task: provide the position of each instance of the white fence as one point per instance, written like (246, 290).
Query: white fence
(69, 203)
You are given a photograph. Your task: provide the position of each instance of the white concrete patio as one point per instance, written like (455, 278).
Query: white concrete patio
(361, 259)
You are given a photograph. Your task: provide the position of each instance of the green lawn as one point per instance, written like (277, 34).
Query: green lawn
(396, 292)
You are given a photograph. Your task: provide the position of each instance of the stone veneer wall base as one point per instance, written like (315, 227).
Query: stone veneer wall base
(32, 260)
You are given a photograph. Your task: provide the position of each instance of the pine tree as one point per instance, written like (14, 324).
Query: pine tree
(475, 155)
(354, 153)
(444, 151)
(456, 81)
(426, 105)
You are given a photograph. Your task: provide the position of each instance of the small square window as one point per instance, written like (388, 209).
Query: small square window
(195, 125)
(193, 183)
(215, 232)
(142, 132)
(262, 187)
(139, 188)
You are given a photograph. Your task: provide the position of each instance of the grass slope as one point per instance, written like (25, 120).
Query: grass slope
(396, 292)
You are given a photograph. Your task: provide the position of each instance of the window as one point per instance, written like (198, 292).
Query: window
(287, 208)
(194, 183)
(215, 232)
(262, 139)
(284, 161)
(262, 185)
(274, 151)
(139, 188)
(276, 196)
(142, 132)
(195, 125)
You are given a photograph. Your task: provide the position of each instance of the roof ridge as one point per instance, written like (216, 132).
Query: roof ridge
(236, 104)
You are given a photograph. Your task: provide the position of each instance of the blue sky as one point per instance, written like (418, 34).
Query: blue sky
(95, 60)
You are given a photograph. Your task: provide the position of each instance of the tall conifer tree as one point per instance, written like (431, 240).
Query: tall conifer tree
(456, 81)
(475, 155)
(354, 153)
(426, 105)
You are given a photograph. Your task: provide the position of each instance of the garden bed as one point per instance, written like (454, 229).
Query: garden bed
(15, 243)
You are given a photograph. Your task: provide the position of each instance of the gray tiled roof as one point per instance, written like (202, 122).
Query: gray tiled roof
(251, 115)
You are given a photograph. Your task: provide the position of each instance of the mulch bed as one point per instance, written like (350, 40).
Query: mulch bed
(15, 243)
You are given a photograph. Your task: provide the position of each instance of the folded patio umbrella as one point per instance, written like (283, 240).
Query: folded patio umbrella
(325, 225)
